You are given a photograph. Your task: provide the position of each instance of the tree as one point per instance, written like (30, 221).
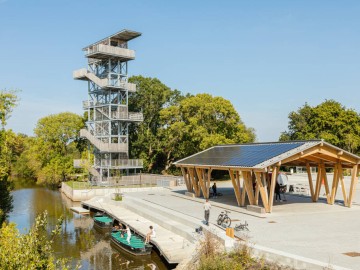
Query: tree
(5, 198)
(199, 122)
(8, 101)
(150, 98)
(58, 131)
(55, 147)
(32, 250)
(330, 121)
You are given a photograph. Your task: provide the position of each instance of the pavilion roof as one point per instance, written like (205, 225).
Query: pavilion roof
(262, 155)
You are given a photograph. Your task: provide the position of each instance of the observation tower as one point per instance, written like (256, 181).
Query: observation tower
(107, 126)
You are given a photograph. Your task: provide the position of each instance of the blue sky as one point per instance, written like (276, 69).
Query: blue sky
(267, 57)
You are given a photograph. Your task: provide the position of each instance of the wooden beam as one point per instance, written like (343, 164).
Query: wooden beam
(257, 188)
(335, 154)
(342, 182)
(318, 183)
(327, 158)
(243, 190)
(272, 187)
(324, 177)
(194, 181)
(249, 188)
(238, 182)
(200, 175)
(308, 169)
(353, 184)
(263, 192)
(303, 154)
(186, 179)
(236, 187)
(334, 184)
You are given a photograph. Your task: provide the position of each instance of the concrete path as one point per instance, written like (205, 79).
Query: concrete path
(317, 234)
(316, 231)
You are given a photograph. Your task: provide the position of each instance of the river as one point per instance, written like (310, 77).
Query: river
(78, 240)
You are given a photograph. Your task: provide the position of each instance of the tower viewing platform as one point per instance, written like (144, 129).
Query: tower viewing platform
(107, 126)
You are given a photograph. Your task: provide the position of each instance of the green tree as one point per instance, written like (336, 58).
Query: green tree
(32, 250)
(55, 147)
(5, 198)
(330, 121)
(8, 100)
(150, 98)
(199, 122)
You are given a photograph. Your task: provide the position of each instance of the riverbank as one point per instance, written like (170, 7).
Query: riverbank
(299, 233)
(78, 241)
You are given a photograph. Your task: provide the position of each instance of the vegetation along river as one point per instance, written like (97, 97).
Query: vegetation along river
(78, 240)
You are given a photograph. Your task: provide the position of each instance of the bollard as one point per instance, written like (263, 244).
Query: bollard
(230, 232)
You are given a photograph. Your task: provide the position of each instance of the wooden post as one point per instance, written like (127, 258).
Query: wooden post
(334, 184)
(318, 183)
(237, 178)
(194, 181)
(249, 188)
(341, 179)
(236, 187)
(272, 187)
(208, 182)
(243, 190)
(186, 179)
(308, 169)
(324, 177)
(354, 180)
(200, 174)
(257, 189)
(263, 192)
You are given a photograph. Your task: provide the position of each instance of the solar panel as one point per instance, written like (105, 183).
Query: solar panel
(247, 155)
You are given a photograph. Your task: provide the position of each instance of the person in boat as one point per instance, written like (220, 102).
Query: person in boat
(150, 234)
(128, 234)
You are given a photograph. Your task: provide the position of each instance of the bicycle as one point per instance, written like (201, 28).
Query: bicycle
(241, 226)
(223, 219)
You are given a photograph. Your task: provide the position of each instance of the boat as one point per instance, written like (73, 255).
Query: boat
(103, 223)
(136, 247)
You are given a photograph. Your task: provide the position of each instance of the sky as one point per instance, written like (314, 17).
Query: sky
(268, 58)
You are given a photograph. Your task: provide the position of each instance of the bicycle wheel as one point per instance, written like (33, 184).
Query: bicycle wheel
(227, 222)
(219, 219)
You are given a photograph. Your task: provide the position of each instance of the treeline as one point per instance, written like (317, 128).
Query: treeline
(329, 121)
(175, 125)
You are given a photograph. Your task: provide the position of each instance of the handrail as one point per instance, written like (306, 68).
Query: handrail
(110, 50)
(122, 163)
(84, 74)
(104, 147)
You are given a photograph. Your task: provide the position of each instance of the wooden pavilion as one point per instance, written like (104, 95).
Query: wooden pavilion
(255, 162)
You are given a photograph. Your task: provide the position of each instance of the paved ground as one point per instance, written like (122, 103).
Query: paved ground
(314, 230)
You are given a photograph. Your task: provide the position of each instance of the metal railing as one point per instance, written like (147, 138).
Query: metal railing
(110, 50)
(83, 73)
(122, 163)
(104, 147)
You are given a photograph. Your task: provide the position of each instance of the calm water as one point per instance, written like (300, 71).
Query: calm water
(78, 241)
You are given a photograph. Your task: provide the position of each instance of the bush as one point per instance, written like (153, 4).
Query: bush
(118, 197)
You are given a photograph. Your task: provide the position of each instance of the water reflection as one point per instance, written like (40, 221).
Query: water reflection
(78, 241)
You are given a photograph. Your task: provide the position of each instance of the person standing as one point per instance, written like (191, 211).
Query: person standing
(207, 207)
(128, 234)
(277, 192)
(214, 188)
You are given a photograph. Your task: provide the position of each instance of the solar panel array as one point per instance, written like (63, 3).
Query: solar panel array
(247, 155)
